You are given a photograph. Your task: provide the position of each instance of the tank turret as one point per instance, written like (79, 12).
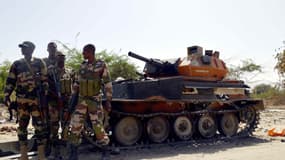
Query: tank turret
(156, 67)
(195, 66)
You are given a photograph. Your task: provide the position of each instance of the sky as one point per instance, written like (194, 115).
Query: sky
(239, 29)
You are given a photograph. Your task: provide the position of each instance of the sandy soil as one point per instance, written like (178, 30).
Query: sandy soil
(259, 147)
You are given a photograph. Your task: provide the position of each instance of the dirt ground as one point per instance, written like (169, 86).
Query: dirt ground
(259, 147)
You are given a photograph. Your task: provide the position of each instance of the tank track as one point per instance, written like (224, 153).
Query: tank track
(246, 131)
(89, 138)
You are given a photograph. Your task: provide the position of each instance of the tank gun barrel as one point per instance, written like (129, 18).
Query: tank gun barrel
(136, 56)
(146, 60)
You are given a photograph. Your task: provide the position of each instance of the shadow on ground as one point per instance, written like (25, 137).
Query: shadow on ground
(163, 151)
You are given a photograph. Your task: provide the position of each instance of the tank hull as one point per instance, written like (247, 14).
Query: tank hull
(181, 108)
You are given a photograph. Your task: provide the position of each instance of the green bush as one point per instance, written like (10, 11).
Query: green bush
(273, 96)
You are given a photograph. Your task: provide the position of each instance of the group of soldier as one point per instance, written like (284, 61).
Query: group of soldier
(44, 90)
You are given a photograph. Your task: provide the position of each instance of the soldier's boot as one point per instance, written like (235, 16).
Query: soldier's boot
(54, 152)
(104, 141)
(72, 151)
(24, 152)
(41, 152)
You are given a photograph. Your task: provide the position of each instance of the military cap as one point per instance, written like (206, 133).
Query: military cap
(58, 53)
(52, 44)
(27, 44)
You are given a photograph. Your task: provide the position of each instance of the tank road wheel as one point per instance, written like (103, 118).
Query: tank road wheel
(229, 124)
(128, 131)
(158, 129)
(183, 128)
(207, 126)
(250, 116)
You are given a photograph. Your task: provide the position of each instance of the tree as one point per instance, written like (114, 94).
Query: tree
(73, 56)
(4, 70)
(246, 71)
(262, 88)
(280, 65)
(119, 65)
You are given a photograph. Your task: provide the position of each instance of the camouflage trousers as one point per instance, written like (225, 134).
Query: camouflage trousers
(25, 111)
(95, 111)
(54, 118)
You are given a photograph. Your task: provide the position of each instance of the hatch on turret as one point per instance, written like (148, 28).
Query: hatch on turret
(207, 66)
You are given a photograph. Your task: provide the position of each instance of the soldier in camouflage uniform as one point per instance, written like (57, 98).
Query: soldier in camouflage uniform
(57, 100)
(66, 78)
(28, 76)
(93, 74)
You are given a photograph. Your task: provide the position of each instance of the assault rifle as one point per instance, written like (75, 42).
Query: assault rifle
(71, 107)
(58, 92)
(43, 106)
(56, 82)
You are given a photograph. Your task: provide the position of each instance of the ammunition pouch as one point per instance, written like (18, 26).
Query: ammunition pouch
(89, 88)
(65, 86)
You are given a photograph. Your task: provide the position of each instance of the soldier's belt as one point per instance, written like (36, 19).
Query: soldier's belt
(26, 100)
(89, 88)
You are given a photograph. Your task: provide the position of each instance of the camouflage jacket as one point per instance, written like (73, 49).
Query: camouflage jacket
(66, 78)
(98, 72)
(26, 77)
(54, 74)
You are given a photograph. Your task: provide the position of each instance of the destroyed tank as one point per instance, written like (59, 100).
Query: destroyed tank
(181, 100)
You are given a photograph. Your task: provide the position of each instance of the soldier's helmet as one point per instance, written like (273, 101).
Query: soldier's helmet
(27, 44)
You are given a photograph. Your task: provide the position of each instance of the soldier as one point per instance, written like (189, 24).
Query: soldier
(93, 74)
(66, 77)
(65, 92)
(28, 76)
(55, 70)
(69, 101)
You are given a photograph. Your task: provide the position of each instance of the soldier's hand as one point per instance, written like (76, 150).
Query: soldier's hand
(75, 88)
(66, 116)
(7, 101)
(50, 67)
(107, 106)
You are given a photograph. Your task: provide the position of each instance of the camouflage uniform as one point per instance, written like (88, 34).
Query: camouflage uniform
(65, 84)
(68, 107)
(25, 77)
(91, 78)
(55, 108)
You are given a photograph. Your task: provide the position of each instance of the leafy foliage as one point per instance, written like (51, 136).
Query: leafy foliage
(4, 70)
(261, 88)
(242, 71)
(119, 65)
(272, 95)
(280, 65)
(73, 56)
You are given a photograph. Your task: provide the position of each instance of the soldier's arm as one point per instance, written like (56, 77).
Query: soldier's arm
(107, 83)
(75, 82)
(11, 81)
(44, 77)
